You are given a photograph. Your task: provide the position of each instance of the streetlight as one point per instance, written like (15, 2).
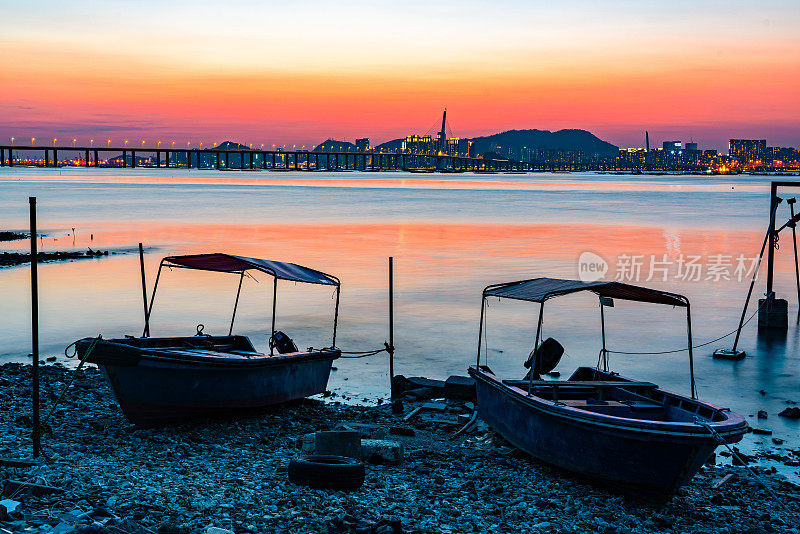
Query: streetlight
(12, 141)
(108, 143)
(73, 142)
(142, 143)
(125, 144)
(91, 143)
(173, 144)
(54, 141)
(159, 144)
(33, 140)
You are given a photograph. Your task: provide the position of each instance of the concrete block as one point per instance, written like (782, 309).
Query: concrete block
(307, 443)
(773, 315)
(460, 388)
(381, 451)
(433, 388)
(339, 443)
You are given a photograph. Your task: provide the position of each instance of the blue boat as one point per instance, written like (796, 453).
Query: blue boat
(161, 380)
(628, 434)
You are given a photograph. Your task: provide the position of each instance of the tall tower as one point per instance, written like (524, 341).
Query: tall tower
(442, 137)
(647, 140)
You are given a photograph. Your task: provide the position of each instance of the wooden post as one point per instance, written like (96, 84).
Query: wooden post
(35, 327)
(144, 293)
(391, 327)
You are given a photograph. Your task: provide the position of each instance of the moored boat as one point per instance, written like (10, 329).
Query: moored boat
(159, 380)
(628, 434)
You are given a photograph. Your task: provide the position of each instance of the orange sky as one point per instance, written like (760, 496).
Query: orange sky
(204, 72)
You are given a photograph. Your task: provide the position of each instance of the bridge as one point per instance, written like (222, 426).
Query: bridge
(242, 159)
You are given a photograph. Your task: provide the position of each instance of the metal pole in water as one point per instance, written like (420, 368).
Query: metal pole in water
(144, 293)
(791, 202)
(391, 326)
(35, 327)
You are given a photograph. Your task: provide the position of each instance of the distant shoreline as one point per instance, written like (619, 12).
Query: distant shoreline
(12, 236)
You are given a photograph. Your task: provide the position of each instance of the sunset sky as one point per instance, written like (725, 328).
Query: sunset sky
(298, 72)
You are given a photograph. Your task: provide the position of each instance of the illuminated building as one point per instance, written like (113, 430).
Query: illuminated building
(748, 150)
(418, 144)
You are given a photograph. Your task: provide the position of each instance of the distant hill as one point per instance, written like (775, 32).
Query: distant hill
(230, 145)
(509, 144)
(391, 146)
(332, 145)
(493, 156)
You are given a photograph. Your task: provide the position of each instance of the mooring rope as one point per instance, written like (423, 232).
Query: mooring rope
(695, 346)
(721, 441)
(364, 353)
(43, 426)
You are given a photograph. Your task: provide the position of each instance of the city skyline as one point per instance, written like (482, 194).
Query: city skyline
(272, 74)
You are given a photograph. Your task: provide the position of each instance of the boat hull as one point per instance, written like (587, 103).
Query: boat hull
(641, 459)
(154, 391)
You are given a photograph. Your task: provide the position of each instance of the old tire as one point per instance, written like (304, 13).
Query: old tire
(327, 472)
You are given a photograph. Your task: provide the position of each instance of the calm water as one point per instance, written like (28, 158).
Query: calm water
(450, 236)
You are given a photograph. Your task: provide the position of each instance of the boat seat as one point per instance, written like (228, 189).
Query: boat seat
(248, 353)
(579, 383)
(617, 408)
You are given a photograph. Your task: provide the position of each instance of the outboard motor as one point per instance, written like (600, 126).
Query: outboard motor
(544, 358)
(282, 343)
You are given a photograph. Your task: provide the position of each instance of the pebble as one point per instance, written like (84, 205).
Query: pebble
(229, 476)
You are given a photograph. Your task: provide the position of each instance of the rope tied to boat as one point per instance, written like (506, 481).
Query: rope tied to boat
(44, 427)
(695, 346)
(364, 353)
(721, 441)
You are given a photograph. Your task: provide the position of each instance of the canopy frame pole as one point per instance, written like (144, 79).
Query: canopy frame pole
(691, 355)
(236, 303)
(603, 335)
(146, 332)
(274, 302)
(335, 316)
(480, 330)
(536, 346)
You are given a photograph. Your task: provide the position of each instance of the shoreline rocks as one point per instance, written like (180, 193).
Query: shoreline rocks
(232, 474)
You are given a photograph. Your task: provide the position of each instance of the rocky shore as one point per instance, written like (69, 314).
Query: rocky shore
(8, 259)
(5, 235)
(231, 475)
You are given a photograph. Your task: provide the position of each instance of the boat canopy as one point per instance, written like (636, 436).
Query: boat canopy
(228, 263)
(541, 289)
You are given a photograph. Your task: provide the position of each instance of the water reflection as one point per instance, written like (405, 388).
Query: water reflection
(449, 237)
